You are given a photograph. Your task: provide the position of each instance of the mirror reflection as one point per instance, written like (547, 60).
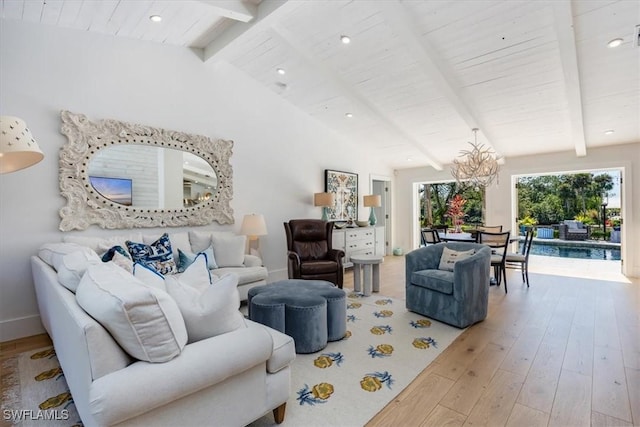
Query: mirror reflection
(144, 176)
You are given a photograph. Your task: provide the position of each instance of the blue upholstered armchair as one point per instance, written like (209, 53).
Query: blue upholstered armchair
(459, 297)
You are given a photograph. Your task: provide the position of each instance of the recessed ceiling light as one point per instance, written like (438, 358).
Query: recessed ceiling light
(155, 18)
(349, 115)
(615, 43)
(609, 132)
(409, 159)
(281, 71)
(345, 39)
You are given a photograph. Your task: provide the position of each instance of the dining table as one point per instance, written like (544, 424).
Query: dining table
(456, 237)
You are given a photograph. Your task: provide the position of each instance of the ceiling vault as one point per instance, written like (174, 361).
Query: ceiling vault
(435, 68)
(233, 9)
(351, 92)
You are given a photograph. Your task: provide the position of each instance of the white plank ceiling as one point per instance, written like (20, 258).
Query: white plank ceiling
(533, 76)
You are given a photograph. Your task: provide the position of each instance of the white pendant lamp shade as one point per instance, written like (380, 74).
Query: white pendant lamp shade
(18, 149)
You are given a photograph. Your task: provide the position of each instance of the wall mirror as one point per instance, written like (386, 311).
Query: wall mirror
(121, 175)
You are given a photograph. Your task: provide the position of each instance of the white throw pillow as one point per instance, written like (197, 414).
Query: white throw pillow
(144, 321)
(212, 312)
(450, 257)
(73, 266)
(229, 250)
(103, 244)
(197, 274)
(149, 276)
(123, 262)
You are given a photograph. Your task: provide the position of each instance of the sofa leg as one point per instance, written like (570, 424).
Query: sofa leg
(278, 413)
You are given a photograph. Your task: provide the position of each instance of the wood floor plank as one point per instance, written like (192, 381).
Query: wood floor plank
(443, 417)
(579, 354)
(424, 394)
(539, 388)
(633, 385)
(601, 420)
(469, 388)
(574, 409)
(610, 393)
(523, 351)
(525, 416)
(496, 403)
(630, 343)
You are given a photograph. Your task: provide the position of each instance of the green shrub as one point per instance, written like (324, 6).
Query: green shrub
(527, 220)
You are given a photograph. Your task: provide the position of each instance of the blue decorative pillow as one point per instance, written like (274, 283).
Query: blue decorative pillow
(185, 259)
(108, 256)
(158, 254)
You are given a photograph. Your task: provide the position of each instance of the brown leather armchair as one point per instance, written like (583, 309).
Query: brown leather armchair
(310, 255)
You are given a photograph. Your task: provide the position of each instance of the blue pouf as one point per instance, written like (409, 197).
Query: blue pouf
(311, 311)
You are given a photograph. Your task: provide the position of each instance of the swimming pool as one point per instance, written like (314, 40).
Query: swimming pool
(568, 251)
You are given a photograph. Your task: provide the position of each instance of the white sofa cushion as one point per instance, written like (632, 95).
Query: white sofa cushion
(102, 244)
(211, 312)
(73, 266)
(52, 253)
(245, 274)
(149, 276)
(146, 322)
(229, 250)
(201, 240)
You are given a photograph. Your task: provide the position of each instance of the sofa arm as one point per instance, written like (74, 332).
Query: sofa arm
(252, 261)
(142, 386)
(293, 265)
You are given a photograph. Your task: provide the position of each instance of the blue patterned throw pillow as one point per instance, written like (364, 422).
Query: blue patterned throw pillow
(158, 254)
(108, 256)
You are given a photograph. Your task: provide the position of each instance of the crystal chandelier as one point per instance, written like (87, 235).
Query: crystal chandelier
(478, 167)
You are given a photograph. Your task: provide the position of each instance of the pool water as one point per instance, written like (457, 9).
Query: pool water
(574, 252)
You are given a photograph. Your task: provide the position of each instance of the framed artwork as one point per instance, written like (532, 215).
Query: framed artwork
(344, 185)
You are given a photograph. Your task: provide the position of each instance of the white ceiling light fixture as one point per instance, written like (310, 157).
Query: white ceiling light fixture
(615, 42)
(281, 71)
(609, 132)
(155, 18)
(349, 115)
(345, 39)
(478, 167)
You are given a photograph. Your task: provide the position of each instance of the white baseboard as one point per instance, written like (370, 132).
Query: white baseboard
(20, 327)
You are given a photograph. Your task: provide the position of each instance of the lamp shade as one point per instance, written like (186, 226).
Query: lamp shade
(372, 201)
(253, 225)
(18, 149)
(323, 199)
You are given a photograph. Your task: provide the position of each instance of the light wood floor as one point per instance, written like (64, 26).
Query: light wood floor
(565, 352)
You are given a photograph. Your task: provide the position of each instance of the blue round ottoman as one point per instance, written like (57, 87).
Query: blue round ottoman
(312, 312)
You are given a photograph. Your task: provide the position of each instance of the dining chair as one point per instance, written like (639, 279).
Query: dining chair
(490, 228)
(429, 236)
(521, 259)
(499, 243)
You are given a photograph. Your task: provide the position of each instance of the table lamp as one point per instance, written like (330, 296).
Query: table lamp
(325, 200)
(253, 226)
(18, 149)
(372, 201)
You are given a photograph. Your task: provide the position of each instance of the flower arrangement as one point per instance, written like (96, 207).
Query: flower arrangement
(456, 213)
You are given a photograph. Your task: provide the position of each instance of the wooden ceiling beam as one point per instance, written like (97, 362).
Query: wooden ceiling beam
(563, 20)
(266, 14)
(233, 9)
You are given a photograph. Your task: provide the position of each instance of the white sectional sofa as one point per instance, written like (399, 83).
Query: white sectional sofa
(229, 379)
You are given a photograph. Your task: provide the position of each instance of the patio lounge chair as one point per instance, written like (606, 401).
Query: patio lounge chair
(574, 230)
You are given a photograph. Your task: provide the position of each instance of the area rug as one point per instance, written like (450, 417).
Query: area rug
(34, 392)
(345, 384)
(351, 380)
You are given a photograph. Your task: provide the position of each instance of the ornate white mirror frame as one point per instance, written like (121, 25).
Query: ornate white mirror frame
(85, 206)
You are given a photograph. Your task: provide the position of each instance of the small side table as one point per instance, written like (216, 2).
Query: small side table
(371, 265)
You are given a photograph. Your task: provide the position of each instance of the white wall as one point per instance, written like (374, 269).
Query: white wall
(278, 158)
(500, 202)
